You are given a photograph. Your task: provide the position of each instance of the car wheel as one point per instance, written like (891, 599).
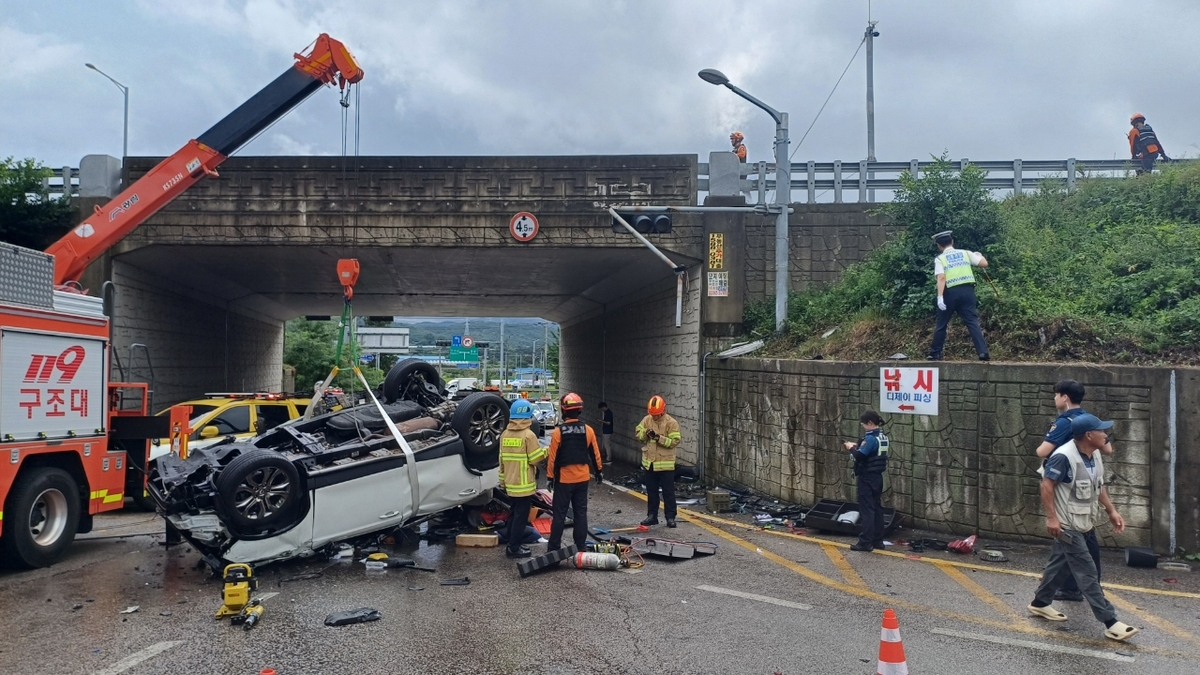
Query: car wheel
(42, 517)
(479, 421)
(258, 492)
(414, 380)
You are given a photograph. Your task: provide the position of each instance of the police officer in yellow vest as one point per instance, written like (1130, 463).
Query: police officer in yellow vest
(659, 434)
(520, 452)
(956, 293)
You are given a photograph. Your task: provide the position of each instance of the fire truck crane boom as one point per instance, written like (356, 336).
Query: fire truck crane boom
(329, 61)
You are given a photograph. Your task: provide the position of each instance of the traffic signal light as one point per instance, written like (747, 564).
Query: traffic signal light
(644, 223)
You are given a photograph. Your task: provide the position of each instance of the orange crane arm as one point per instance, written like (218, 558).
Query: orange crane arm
(329, 61)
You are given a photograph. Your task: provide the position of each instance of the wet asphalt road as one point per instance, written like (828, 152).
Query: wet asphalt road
(654, 620)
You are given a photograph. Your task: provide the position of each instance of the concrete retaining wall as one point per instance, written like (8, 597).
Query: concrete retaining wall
(195, 347)
(631, 350)
(777, 427)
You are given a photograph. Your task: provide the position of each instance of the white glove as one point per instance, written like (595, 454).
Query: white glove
(941, 303)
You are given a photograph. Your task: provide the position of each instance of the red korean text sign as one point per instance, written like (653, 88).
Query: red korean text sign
(911, 391)
(51, 386)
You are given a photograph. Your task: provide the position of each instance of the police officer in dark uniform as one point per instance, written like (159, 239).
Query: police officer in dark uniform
(870, 461)
(956, 293)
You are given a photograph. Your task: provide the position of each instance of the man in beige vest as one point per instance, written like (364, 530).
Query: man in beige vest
(1072, 485)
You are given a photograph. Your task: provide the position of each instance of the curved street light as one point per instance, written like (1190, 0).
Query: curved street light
(783, 190)
(125, 91)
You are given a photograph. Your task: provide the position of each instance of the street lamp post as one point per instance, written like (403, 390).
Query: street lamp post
(783, 191)
(125, 91)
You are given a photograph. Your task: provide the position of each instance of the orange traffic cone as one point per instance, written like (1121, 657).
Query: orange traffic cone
(891, 648)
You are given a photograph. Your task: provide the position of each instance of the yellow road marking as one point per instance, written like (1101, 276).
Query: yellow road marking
(1156, 621)
(932, 561)
(980, 592)
(1021, 627)
(843, 566)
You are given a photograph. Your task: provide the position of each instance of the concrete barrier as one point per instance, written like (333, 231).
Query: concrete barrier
(776, 426)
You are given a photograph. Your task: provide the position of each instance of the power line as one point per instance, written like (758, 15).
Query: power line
(835, 86)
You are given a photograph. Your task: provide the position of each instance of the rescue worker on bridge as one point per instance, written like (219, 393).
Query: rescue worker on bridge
(520, 453)
(956, 293)
(660, 437)
(1144, 146)
(574, 453)
(870, 461)
(735, 139)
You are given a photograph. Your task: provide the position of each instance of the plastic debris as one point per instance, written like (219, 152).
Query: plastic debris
(130, 609)
(360, 615)
(963, 545)
(460, 581)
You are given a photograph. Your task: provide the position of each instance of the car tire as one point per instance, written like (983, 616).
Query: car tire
(43, 516)
(479, 421)
(258, 492)
(414, 380)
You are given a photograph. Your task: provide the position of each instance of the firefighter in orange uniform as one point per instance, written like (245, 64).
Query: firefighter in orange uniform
(574, 453)
(735, 139)
(1144, 146)
(659, 434)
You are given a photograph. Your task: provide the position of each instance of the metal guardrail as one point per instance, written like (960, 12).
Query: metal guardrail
(55, 184)
(814, 179)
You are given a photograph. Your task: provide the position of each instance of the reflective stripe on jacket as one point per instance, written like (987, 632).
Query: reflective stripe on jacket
(520, 452)
(658, 454)
(956, 265)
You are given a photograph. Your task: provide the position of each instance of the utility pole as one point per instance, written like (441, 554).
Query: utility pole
(870, 36)
(545, 355)
(502, 381)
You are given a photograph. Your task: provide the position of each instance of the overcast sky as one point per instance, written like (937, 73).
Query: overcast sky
(1036, 79)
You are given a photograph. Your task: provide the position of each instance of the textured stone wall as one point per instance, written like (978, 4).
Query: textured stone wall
(630, 351)
(195, 347)
(777, 427)
(825, 239)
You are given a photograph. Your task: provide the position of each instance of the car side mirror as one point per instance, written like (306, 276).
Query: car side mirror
(210, 431)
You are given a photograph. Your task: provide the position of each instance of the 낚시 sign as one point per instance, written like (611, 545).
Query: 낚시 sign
(910, 391)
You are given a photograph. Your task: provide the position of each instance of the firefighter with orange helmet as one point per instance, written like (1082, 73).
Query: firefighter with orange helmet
(1144, 146)
(660, 437)
(735, 139)
(574, 453)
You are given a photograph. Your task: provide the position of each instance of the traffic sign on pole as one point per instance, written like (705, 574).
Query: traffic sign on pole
(456, 341)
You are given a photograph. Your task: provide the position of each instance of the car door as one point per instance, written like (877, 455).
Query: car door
(267, 416)
(444, 479)
(359, 498)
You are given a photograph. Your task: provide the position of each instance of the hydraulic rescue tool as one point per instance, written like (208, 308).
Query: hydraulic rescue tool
(240, 582)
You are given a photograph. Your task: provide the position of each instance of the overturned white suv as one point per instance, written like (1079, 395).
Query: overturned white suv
(310, 483)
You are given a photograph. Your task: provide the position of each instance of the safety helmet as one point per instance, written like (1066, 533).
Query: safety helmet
(571, 402)
(736, 136)
(521, 409)
(1137, 116)
(656, 406)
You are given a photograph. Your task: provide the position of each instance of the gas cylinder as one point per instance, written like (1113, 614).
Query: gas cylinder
(596, 561)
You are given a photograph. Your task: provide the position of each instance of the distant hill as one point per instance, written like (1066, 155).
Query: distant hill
(519, 334)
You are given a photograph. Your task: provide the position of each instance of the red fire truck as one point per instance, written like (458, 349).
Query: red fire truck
(72, 443)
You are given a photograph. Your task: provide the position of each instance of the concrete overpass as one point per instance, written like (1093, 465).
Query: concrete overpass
(208, 282)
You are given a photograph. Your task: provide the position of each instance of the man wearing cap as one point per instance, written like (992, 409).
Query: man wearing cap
(956, 293)
(1072, 486)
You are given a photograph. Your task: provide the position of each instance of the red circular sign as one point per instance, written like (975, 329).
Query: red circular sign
(523, 226)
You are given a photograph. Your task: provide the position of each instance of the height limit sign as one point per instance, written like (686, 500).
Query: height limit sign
(912, 391)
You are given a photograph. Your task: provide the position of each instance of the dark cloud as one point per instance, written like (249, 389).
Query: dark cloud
(994, 80)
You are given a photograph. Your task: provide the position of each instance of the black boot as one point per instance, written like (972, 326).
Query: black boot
(520, 552)
(671, 522)
(650, 520)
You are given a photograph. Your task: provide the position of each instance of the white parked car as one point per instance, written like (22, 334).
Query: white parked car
(308, 484)
(546, 413)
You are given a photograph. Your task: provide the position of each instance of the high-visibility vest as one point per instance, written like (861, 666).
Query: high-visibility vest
(957, 268)
(519, 452)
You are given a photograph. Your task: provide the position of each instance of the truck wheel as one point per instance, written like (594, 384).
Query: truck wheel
(258, 492)
(414, 380)
(479, 420)
(42, 517)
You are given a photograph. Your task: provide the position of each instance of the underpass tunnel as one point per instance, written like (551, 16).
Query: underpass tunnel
(213, 316)
(208, 283)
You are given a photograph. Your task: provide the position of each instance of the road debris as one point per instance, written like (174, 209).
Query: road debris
(130, 609)
(460, 581)
(360, 615)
